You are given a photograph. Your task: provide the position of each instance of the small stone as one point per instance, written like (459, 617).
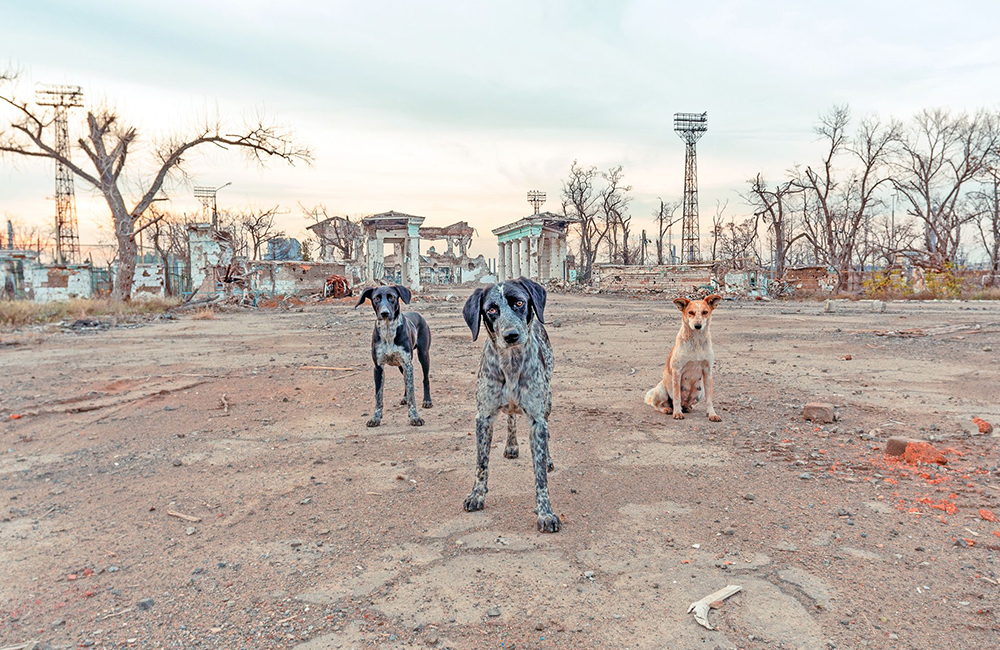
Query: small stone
(539, 626)
(432, 639)
(987, 348)
(493, 613)
(821, 412)
(145, 604)
(59, 623)
(191, 530)
(557, 322)
(749, 496)
(984, 426)
(177, 462)
(306, 501)
(113, 569)
(805, 476)
(589, 575)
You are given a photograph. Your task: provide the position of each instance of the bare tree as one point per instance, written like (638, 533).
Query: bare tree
(717, 227)
(580, 201)
(664, 220)
(987, 206)
(107, 145)
(32, 238)
(168, 233)
(340, 233)
(614, 200)
(770, 203)
(256, 226)
(941, 156)
(838, 207)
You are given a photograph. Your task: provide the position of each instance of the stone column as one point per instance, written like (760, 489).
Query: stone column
(508, 252)
(533, 258)
(522, 256)
(515, 256)
(411, 273)
(501, 262)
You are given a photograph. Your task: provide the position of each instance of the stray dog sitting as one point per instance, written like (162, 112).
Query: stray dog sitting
(395, 338)
(687, 375)
(515, 373)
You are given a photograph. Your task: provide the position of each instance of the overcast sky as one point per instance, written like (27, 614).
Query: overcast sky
(453, 110)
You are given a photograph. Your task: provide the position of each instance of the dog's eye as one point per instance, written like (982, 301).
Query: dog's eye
(519, 303)
(704, 313)
(491, 310)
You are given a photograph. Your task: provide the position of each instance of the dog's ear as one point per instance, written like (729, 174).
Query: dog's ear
(713, 300)
(404, 293)
(681, 303)
(473, 312)
(537, 294)
(365, 295)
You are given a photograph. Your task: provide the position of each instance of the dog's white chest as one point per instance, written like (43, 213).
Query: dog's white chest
(390, 354)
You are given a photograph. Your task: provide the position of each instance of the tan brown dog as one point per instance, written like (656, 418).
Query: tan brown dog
(687, 375)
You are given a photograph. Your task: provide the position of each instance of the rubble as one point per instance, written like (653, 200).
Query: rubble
(913, 451)
(820, 412)
(984, 426)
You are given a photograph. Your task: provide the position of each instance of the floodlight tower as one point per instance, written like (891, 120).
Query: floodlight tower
(207, 197)
(62, 98)
(690, 127)
(536, 199)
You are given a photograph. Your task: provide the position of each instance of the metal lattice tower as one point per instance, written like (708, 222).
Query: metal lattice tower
(536, 199)
(208, 201)
(62, 98)
(690, 127)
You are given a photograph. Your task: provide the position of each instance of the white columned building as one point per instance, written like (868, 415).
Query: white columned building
(534, 247)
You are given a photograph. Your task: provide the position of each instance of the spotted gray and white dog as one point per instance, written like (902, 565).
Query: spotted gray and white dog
(395, 338)
(515, 373)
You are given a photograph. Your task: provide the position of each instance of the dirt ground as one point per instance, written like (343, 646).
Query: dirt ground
(301, 528)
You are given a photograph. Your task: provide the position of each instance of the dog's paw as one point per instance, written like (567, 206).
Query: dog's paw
(666, 410)
(403, 402)
(715, 418)
(685, 409)
(474, 502)
(510, 452)
(374, 422)
(427, 404)
(678, 415)
(549, 523)
(417, 422)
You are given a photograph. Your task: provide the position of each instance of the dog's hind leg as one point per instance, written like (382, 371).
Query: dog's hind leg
(484, 439)
(411, 400)
(548, 522)
(376, 418)
(511, 449)
(425, 364)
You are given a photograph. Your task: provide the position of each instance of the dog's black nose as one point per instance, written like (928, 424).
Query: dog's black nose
(697, 326)
(511, 336)
(384, 314)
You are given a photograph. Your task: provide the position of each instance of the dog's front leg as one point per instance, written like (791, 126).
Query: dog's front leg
(548, 522)
(411, 402)
(511, 450)
(484, 440)
(377, 416)
(675, 391)
(709, 407)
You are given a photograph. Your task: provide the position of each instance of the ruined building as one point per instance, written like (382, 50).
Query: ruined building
(534, 247)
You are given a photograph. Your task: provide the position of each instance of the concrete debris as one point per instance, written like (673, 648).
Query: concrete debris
(820, 412)
(702, 607)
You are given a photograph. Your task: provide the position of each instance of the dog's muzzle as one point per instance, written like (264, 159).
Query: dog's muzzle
(385, 315)
(511, 337)
(698, 326)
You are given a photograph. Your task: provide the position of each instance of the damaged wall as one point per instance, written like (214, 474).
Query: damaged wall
(688, 278)
(276, 278)
(147, 281)
(211, 253)
(811, 279)
(52, 283)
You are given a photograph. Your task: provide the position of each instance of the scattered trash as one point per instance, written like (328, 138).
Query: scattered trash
(181, 515)
(710, 602)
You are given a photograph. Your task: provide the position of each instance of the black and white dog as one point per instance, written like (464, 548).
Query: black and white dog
(395, 338)
(515, 374)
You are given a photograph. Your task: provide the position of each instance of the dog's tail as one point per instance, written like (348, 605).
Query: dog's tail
(657, 395)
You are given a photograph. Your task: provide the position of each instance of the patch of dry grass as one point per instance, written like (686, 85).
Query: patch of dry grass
(205, 313)
(19, 313)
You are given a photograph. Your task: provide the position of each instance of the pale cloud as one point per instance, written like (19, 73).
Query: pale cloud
(452, 110)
